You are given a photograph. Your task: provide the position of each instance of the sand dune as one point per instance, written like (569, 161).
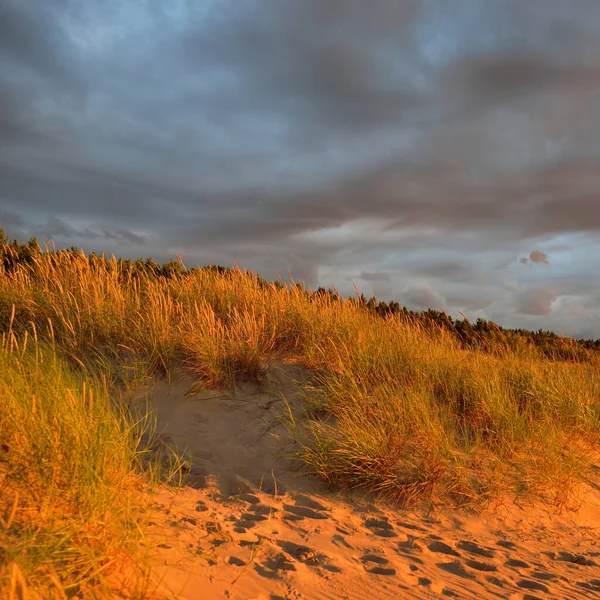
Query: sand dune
(252, 526)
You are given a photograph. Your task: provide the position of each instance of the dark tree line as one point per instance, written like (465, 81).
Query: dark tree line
(489, 336)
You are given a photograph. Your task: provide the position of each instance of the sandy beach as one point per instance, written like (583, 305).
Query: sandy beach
(251, 525)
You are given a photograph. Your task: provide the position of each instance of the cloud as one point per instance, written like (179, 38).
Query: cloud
(131, 237)
(320, 59)
(502, 77)
(458, 270)
(9, 219)
(536, 256)
(470, 300)
(424, 296)
(32, 41)
(577, 309)
(536, 302)
(374, 276)
(55, 229)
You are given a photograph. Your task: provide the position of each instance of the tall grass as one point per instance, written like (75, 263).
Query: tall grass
(393, 408)
(408, 416)
(69, 492)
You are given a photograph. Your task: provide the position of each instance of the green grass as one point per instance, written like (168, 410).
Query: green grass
(69, 478)
(393, 408)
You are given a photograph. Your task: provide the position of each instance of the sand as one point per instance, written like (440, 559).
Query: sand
(251, 525)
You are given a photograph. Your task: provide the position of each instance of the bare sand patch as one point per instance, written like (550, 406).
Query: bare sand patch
(251, 525)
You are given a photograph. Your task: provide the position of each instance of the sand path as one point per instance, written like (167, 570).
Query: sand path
(251, 526)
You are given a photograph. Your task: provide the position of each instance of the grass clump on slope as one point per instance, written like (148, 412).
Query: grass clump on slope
(410, 415)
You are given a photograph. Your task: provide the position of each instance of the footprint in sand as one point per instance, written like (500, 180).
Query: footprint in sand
(249, 498)
(592, 585)
(544, 575)
(480, 565)
(304, 554)
(339, 540)
(496, 581)
(474, 548)
(442, 548)
(380, 527)
(366, 508)
(410, 543)
(274, 566)
(409, 547)
(576, 559)
(455, 568)
(255, 514)
(528, 584)
(250, 543)
(308, 556)
(377, 564)
(517, 564)
(411, 526)
(303, 500)
(304, 508)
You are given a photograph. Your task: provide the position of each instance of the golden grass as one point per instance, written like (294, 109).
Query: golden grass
(69, 482)
(393, 408)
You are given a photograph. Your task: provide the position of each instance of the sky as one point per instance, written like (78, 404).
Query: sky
(441, 153)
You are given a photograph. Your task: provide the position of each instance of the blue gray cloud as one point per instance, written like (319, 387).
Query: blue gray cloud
(419, 149)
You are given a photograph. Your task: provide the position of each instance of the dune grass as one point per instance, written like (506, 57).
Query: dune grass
(69, 480)
(392, 408)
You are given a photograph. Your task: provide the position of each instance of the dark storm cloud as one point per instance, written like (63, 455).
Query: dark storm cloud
(11, 219)
(319, 59)
(13, 124)
(32, 41)
(57, 229)
(419, 146)
(501, 78)
(374, 276)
